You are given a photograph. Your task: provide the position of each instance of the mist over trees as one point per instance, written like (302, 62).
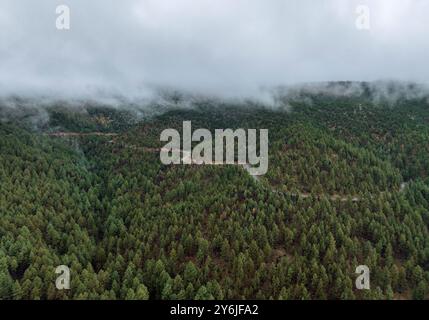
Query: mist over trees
(347, 185)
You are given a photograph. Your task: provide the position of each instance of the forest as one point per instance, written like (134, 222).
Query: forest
(347, 185)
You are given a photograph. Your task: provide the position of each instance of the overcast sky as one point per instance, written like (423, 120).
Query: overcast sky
(214, 46)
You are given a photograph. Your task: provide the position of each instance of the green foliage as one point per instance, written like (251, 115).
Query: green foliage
(131, 228)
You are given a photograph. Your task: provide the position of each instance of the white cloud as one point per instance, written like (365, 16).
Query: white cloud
(223, 46)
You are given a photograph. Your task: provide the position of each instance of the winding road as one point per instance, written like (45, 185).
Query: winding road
(186, 157)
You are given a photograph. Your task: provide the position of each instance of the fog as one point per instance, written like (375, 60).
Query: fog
(228, 48)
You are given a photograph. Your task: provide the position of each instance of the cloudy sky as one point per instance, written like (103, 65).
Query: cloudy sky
(213, 46)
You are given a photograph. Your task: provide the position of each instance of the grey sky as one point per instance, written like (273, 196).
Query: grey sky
(229, 47)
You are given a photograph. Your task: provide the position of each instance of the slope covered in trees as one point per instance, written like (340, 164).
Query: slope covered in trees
(347, 185)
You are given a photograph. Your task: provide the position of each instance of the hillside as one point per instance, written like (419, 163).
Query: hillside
(347, 185)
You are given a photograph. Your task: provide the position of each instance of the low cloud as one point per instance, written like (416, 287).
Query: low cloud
(233, 49)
